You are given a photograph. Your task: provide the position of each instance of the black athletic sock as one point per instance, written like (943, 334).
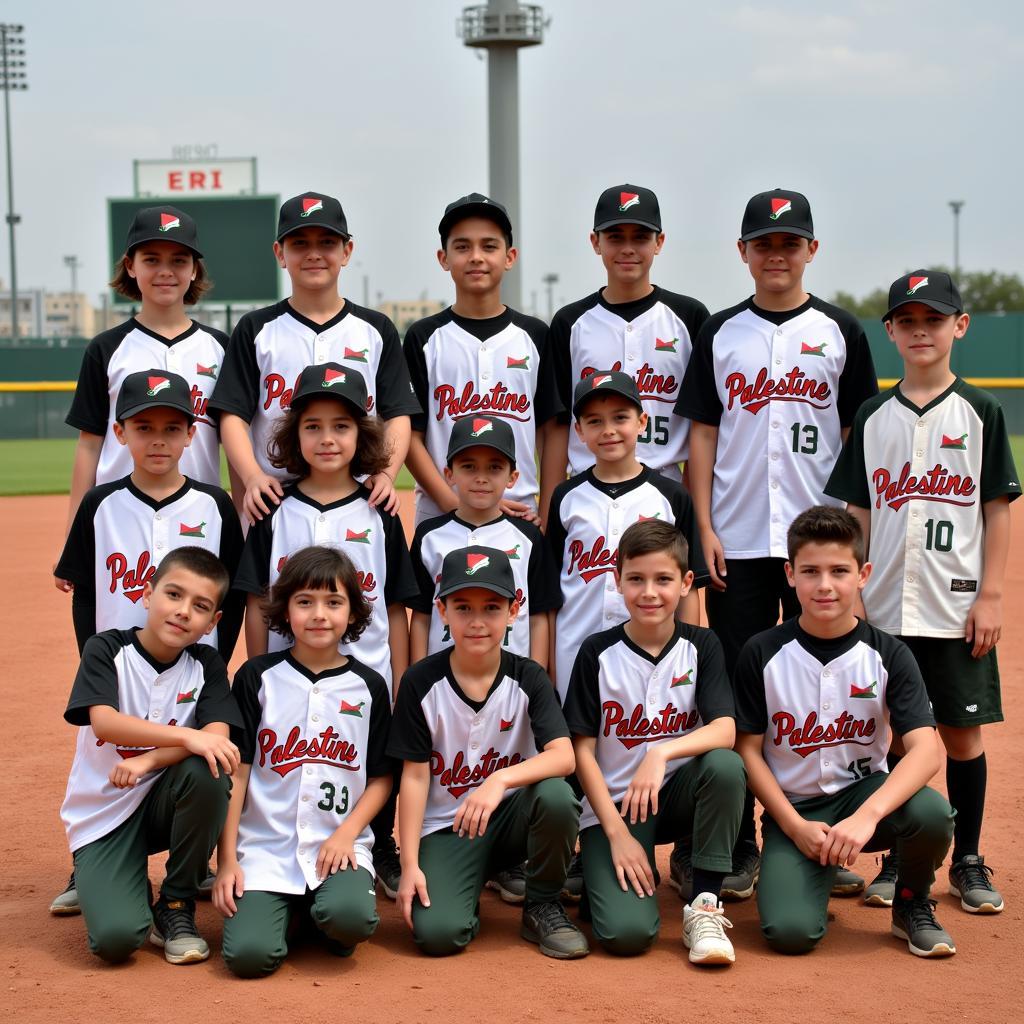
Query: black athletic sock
(707, 881)
(965, 783)
(747, 837)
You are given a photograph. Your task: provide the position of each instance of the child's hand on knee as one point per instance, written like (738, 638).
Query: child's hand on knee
(808, 837)
(337, 853)
(632, 868)
(412, 886)
(228, 886)
(846, 838)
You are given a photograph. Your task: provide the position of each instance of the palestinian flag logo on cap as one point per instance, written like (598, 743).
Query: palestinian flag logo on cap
(187, 696)
(863, 692)
(206, 371)
(192, 531)
(665, 346)
(626, 200)
(310, 204)
(813, 350)
(599, 378)
(358, 538)
(355, 710)
(280, 563)
(513, 553)
(915, 283)
(481, 427)
(332, 377)
(476, 562)
(779, 207)
(168, 221)
(517, 364)
(156, 385)
(506, 724)
(647, 519)
(686, 679)
(957, 444)
(356, 355)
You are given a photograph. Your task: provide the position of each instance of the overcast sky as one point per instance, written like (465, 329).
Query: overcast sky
(880, 112)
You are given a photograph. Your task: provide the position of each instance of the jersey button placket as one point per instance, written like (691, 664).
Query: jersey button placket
(309, 781)
(776, 461)
(629, 344)
(321, 348)
(485, 364)
(321, 529)
(161, 541)
(614, 530)
(914, 531)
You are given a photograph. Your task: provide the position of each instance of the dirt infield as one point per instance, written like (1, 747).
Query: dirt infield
(858, 974)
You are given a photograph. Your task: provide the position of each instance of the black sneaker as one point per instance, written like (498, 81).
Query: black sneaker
(545, 923)
(746, 866)
(573, 889)
(969, 879)
(510, 884)
(387, 866)
(66, 903)
(913, 919)
(882, 890)
(680, 871)
(847, 883)
(174, 928)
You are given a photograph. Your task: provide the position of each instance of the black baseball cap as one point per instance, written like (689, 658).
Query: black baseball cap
(162, 224)
(332, 380)
(602, 382)
(312, 209)
(477, 566)
(474, 205)
(473, 431)
(933, 288)
(777, 212)
(627, 204)
(153, 389)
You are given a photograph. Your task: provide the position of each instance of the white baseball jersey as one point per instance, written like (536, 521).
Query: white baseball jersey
(197, 355)
(627, 698)
(313, 740)
(925, 475)
(118, 672)
(824, 706)
(270, 347)
(535, 573)
(467, 741)
(372, 538)
(780, 387)
(650, 339)
(120, 535)
(461, 367)
(587, 520)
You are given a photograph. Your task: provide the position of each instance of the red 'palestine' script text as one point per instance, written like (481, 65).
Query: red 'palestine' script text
(793, 387)
(812, 736)
(937, 484)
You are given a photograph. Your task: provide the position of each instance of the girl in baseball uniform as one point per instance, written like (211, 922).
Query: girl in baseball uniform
(313, 774)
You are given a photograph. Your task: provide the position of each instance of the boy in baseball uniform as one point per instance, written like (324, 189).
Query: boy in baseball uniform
(816, 698)
(929, 474)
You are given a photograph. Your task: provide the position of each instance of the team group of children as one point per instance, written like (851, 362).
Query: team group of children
(554, 689)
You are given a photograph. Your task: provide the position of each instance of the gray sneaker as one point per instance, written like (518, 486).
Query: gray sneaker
(206, 885)
(66, 904)
(545, 923)
(174, 928)
(882, 891)
(913, 919)
(847, 883)
(969, 879)
(680, 871)
(746, 866)
(510, 884)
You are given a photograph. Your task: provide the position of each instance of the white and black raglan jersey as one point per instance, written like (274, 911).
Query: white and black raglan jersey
(925, 474)
(535, 572)
(270, 347)
(371, 537)
(626, 698)
(197, 355)
(120, 536)
(461, 367)
(116, 671)
(467, 741)
(314, 740)
(780, 387)
(825, 706)
(650, 339)
(587, 520)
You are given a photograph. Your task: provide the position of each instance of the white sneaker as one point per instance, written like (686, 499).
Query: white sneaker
(704, 924)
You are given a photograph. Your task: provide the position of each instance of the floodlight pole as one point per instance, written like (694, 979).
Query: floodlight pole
(72, 263)
(956, 205)
(11, 77)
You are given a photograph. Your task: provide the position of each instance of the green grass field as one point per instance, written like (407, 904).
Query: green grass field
(44, 467)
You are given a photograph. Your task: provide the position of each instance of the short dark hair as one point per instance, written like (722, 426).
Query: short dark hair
(373, 450)
(825, 524)
(195, 560)
(124, 284)
(651, 535)
(317, 568)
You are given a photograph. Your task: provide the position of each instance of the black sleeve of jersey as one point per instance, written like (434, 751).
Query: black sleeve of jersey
(714, 691)
(231, 544)
(998, 472)
(558, 356)
(254, 566)
(686, 522)
(858, 381)
(546, 718)
(237, 390)
(400, 585)
(849, 479)
(698, 394)
(77, 561)
(905, 694)
(216, 702)
(583, 698)
(416, 362)
(543, 591)
(90, 405)
(556, 535)
(377, 761)
(748, 688)
(395, 396)
(96, 680)
(410, 735)
(246, 688)
(424, 599)
(546, 402)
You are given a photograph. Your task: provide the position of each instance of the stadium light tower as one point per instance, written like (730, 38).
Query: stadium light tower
(501, 27)
(12, 77)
